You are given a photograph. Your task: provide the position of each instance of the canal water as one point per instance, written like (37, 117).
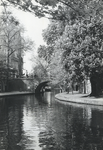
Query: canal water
(43, 123)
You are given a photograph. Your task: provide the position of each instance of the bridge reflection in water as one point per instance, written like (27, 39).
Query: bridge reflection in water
(43, 123)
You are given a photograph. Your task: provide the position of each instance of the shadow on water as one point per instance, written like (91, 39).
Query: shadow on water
(43, 123)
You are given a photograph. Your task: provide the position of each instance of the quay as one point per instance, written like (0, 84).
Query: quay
(4, 94)
(79, 98)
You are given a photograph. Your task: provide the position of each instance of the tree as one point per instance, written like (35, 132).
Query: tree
(51, 53)
(10, 35)
(45, 52)
(40, 69)
(13, 44)
(84, 58)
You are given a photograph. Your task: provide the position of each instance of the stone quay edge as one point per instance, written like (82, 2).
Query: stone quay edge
(79, 98)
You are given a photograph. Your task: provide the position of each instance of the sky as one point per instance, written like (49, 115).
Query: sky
(33, 30)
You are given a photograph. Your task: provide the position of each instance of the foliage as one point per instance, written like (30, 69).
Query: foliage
(40, 69)
(51, 53)
(45, 52)
(64, 10)
(55, 9)
(85, 48)
(11, 34)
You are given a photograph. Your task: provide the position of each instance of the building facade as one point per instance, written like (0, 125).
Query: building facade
(11, 61)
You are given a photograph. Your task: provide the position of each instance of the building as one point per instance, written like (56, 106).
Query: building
(11, 61)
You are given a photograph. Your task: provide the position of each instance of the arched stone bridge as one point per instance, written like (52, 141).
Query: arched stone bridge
(41, 86)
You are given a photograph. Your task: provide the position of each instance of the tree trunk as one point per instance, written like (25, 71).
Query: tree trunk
(84, 87)
(7, 70)
(96, 84)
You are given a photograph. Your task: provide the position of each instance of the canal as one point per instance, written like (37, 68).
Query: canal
(43, 123)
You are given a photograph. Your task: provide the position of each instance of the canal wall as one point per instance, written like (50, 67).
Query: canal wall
(20, 85)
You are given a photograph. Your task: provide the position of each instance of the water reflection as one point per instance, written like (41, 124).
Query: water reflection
(43, 123)
(10, 123)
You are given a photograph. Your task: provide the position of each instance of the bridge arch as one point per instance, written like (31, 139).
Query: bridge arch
(41, 86)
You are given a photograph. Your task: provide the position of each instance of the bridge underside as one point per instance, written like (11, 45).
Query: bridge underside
(41, 86)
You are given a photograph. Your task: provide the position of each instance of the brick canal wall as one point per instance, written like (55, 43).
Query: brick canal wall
(20, 85)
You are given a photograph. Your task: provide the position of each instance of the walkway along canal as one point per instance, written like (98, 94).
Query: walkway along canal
(44, 123)
(79, 98)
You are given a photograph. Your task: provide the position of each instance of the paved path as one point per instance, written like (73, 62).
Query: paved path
(79, 98)
(14, 93)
